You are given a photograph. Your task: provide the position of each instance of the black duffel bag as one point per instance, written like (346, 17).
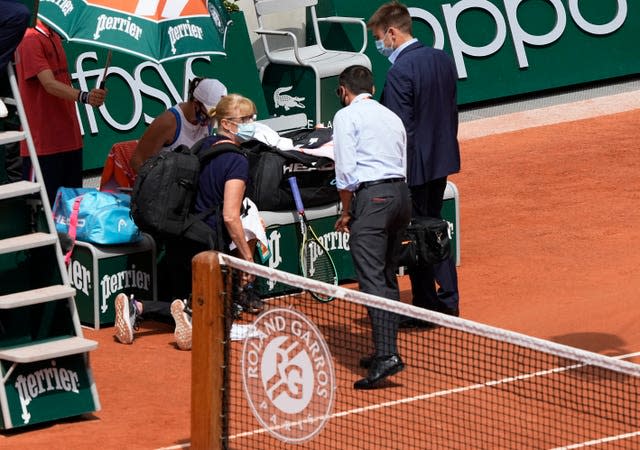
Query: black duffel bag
(269, 169)
(427, 241)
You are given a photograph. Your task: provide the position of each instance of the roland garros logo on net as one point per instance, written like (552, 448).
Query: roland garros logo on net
(288, 376)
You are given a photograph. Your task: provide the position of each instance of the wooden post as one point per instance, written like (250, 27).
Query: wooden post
(207, 353)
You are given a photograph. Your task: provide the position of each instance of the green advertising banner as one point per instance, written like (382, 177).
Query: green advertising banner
(501, 48)
(48, 390)
(508, 47)
(140, 90)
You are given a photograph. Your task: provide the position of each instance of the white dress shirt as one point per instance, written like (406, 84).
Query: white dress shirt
(370, 143)
(393, 56)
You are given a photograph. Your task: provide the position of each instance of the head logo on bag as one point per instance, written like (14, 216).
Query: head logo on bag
(93, 216)
(122, 225)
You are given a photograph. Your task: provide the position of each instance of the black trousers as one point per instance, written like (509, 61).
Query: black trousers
(58, 170)
(380, 215)
(174, 276)
(426, 200)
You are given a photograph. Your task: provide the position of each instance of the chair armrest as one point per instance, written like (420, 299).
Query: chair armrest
(294, 39)
(341, 19)
(355, 20)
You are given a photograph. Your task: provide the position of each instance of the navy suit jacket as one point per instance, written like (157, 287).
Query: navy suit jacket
(421, 88)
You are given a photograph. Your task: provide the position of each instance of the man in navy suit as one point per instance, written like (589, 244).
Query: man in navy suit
(420, 88)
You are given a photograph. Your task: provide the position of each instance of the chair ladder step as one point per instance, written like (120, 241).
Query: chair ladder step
(8, 137)
(18, 189)
(26, 241)
(35, 296)
(48, 350)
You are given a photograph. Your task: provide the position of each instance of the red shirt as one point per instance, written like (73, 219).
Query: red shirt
(53, 121)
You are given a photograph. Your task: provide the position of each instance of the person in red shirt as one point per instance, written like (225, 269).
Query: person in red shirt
(49, 102)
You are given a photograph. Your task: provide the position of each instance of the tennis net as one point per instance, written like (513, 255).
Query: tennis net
(465, 385)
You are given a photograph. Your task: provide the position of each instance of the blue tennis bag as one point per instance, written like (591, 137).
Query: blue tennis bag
(94, 216)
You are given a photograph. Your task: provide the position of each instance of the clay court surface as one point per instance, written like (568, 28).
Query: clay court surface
(550, 242)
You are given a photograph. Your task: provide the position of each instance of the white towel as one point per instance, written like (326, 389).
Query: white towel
(240, 332)
(253, 228)
(269, 136)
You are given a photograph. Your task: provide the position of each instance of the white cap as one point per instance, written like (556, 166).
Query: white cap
(209, 92)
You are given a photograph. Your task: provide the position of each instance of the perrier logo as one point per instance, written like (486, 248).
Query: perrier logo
(120, 24)
(66, 6)
(49, 379)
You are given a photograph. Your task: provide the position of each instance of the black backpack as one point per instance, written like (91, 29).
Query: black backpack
(164, 194)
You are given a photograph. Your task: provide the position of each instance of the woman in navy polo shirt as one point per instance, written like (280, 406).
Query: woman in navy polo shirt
(224, 179)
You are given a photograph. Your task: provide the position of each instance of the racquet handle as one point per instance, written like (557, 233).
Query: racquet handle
(106, 69)
(293, 182)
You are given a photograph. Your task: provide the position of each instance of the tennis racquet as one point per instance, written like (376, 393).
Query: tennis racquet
(315, 261)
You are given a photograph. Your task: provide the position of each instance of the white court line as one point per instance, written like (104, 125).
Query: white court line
(441, 393)
(599, 441)
(449, 392)
(603, 440)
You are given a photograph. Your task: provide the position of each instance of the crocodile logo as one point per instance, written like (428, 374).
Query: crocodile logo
(286, 101)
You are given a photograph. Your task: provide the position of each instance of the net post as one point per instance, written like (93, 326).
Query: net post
(207, 353)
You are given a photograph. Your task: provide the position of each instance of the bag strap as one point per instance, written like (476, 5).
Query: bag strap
(216, 149)
(176, 114)
(255, 146)
(195, 228)
(73, 227)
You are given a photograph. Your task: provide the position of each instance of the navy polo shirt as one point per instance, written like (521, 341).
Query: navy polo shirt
(214, 175)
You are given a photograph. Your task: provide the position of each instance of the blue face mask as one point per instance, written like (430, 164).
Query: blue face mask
(246, 131)
(202, 118)
(384, 51)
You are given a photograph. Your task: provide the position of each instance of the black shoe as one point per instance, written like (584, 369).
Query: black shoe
(250, 301)
(411, 323)
(365, 361)
(236, 310)
(381, 368)
(450, 311)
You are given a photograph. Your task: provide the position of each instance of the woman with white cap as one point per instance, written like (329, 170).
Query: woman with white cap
(182, 124)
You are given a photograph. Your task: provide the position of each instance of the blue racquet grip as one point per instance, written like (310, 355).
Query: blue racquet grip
(293, 182)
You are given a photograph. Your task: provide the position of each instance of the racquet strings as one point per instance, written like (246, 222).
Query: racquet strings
(317, 264)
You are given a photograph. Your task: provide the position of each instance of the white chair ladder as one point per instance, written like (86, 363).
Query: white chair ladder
(50, 340)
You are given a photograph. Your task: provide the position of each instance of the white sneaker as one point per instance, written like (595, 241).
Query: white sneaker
(126, 314)
(182, 317)
(3, 109)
